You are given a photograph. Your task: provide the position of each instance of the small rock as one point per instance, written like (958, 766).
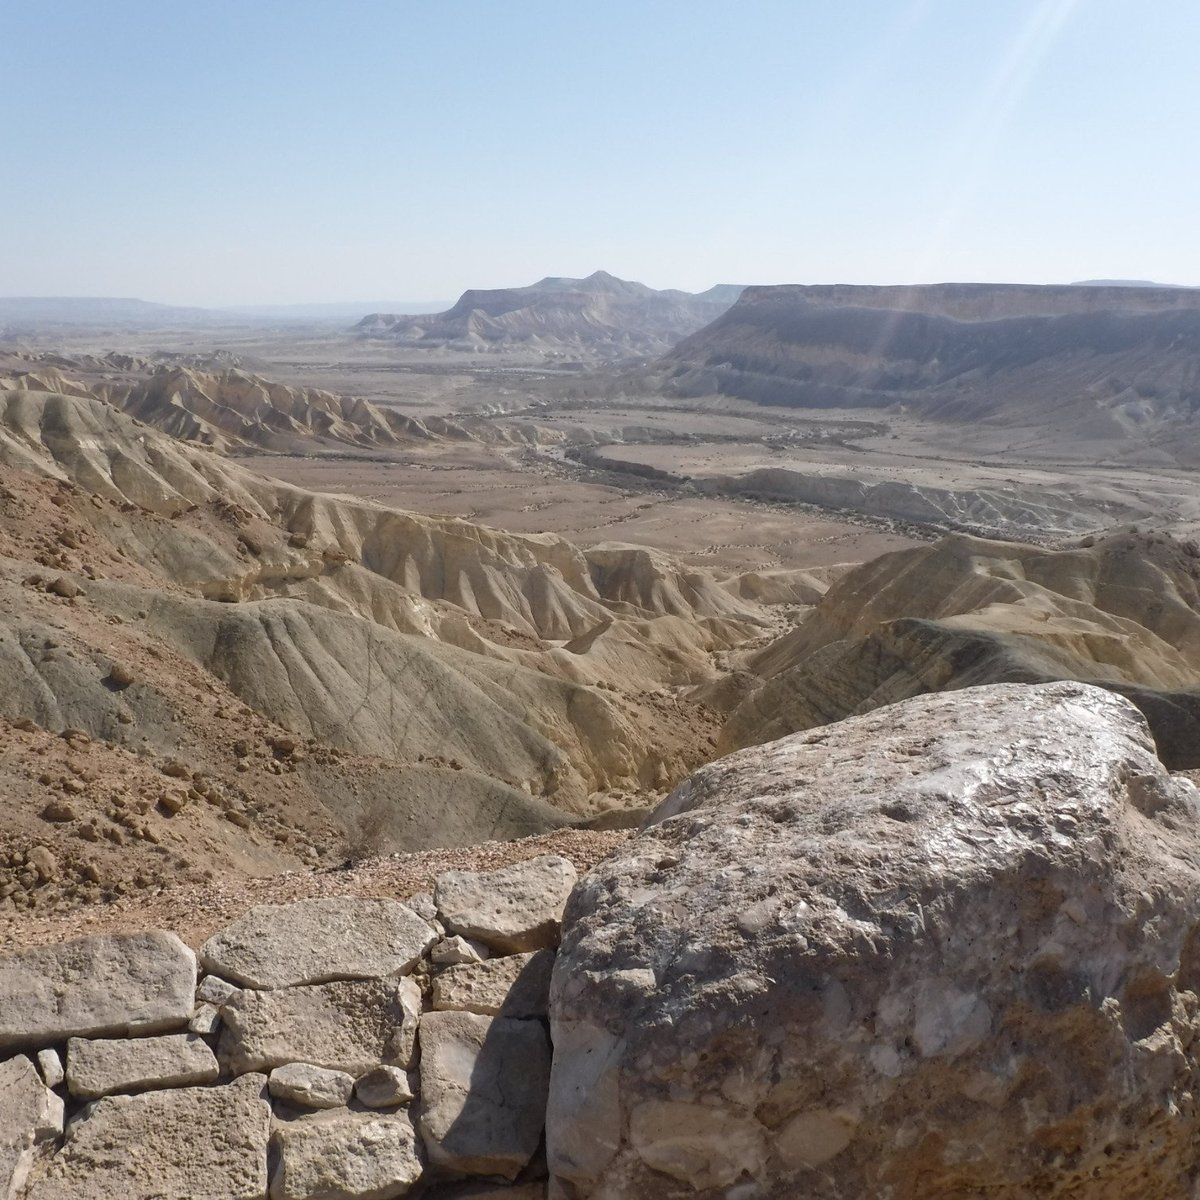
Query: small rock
(346, 1156)
(311, 1087)
(213, 989)
(96, 1068)
(60, 585)
(512, 910)
(422, 904)
(174, 768)
(456, 949)
(515, 986)
(120, 676)
(205, 1020)
(349, 1026)
(44, 863)
(173, 802)
(51, 1067)
(59, 811)
(29, 1113)
(384, 1087)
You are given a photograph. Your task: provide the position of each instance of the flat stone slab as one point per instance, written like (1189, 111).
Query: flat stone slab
(484, 1085)
(318, 941)
(515, 986)
(98, 1068)
(346, 1156)
(29, 1113)
(351, 1026)
(202, 1143)
(516, 909)
(123, 983)
(311, 1087)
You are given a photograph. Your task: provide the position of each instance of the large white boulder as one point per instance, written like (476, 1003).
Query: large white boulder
(318, 940)
(121, 983)
(946, 949)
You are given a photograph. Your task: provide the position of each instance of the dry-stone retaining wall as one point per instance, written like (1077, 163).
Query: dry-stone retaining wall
(330, 1049)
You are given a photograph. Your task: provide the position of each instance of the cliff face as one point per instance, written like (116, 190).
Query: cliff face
(600, 315)
(1116, 362)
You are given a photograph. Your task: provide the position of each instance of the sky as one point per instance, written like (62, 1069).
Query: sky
(224, 152)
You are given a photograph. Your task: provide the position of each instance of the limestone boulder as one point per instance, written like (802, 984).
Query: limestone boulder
(205, 1143)
(307, 1086)
(346, 1156)
(97, 1067)
(318, 940)
(517, 985)
(29, 1113)
(949, 948)
(515, 909)
(351, 1026)
(121, 983)
(484, 1084)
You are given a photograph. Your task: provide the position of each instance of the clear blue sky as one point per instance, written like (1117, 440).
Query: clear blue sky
(272, 151)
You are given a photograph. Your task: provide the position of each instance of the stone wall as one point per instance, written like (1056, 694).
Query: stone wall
(330, 1048)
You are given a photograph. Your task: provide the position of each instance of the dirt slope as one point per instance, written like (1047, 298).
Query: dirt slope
(262, 676)
(1123, 613)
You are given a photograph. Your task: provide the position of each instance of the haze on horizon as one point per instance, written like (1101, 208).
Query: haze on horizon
(305, 152)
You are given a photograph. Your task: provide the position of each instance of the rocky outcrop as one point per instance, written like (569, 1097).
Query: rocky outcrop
(949, 948)
(597, 316)
(1113, 364)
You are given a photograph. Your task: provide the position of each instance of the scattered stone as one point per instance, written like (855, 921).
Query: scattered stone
(44, 863)
(908, 954)
(310, 1087)
(175, 769)
(515, 986)
(422, 904)
(384, 1087)
(512, 910)
(50, 1064)
(60, 811)
(97, 1068)
(319, 940)
(120, 676)
(347, 1026)
(202, 1143)
(212, 989)
(116, 984)
(484, 1083)
(205, 1020)
(346, 1156)
(457, 949)
(60, 585)
(173, 802)
(29, 1113)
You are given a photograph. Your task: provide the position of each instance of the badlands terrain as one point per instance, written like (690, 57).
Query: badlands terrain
(280, 598)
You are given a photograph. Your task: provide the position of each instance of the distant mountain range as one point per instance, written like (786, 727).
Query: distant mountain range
(1104, 363)
(597, 317)
(33, 314)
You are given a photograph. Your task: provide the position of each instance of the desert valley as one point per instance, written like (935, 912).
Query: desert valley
(301, 619)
